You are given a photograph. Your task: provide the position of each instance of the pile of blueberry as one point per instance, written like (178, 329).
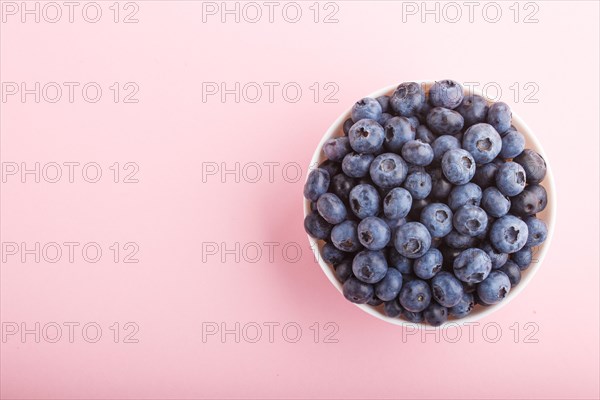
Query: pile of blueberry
(427, 204)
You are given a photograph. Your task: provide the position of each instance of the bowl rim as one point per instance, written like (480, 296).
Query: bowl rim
(550, 211)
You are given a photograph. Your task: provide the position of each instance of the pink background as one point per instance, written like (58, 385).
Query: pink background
(170, 133)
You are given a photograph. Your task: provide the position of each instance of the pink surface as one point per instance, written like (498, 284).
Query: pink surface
(179, 217)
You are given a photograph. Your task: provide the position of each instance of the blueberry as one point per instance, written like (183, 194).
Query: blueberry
(417, 152)
(498, 258)
(398, 130)
(364, 201)
(357, 165)
(418, 184)
(443, 121)
(357, 291)
(495, 203)
(446, 93)
(374, 301)
(485, 175)
(341, 185)
(437, 218)
(532, 200)
(458, 166)
(385, 117)
(472, 265)
(446, 289)
(397, 203)
(483, 142)
(424, 134)
(332, 167)
(513, 272)
(344, 236)
(331, 208)
(429, 264)
(316, 184)
(316, 226)
(457, 240)
(461, 195)
(408, 98)
(366, 136)
(510, 178)
(499, 116)
(389, 287)
(414, 122)
(440, 186)
(332, 255)
(538, 231)
(366, 108)
(435, 314)
(463, 307)
(474, 109)
(523, 257)
(470, 220)
(384, 102)
(412, 240)
(415, 295)
(494, 288)
(414, 317)
(374, 233)
(343, 270)
(509, 234)
(533, 164)
(392, 308)
(479, 301)
(513, 144)
(442, 144)
(398, 261)
(336, 148)
(388, 170)
(347, 125)
(369, 266)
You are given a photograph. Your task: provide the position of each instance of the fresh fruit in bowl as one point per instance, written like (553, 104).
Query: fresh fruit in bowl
(430, 204)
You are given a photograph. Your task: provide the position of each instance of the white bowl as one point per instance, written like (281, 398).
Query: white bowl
(548, 216)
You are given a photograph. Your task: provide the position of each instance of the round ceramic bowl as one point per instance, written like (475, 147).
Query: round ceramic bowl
(548, 216)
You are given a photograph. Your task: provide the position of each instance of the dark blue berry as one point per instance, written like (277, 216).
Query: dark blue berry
(443, 121)
(446, 93)
(369, 266)
(344, 236)
(316, 184)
